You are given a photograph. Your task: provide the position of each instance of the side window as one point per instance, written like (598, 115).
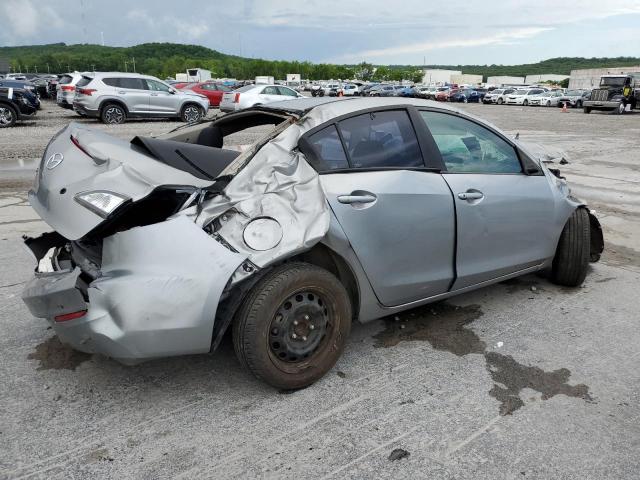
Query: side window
(381, 139)
(157, 86)
(112, 82)
(328, 152)
(270, 91)
(132, 83)
(467, 147)
(287, 91)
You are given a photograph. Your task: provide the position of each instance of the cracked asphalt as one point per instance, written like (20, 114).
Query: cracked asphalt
(520, 380)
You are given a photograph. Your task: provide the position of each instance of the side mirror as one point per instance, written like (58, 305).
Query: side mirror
(172, 90)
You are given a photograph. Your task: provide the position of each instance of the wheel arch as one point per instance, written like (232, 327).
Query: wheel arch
(117, 101)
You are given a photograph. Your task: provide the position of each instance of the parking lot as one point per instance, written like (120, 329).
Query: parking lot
(523, 379)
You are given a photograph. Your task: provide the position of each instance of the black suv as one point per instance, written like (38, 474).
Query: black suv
(14, 105)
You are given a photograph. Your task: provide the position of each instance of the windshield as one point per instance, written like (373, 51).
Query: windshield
(612, 81)
(497, 92)
(574, 93)
(246, 88)
(520, 92)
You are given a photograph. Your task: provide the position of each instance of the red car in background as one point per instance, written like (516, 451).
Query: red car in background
(213, 91)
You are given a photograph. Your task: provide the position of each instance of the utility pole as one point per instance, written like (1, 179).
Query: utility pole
(134, 63)
(48, 71)
(36, 68)
(102, 38)
(125, 66)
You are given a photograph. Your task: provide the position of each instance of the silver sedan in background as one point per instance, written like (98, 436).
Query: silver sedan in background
(347, 210)
(253, 95)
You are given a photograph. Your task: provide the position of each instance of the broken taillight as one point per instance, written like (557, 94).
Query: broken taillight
(70, 316)
(67, 88)
(86, 91)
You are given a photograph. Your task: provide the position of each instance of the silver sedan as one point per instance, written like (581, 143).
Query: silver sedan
(347, 210)
(253, 95)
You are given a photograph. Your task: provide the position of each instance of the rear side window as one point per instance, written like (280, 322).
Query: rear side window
(467, 147)
(270, 91)
(381, 139)
(287, 92)
(84, 81)
(112, 82)
(133, 83)
(328, 152)
(64, 79)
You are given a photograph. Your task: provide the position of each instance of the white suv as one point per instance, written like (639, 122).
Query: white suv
(113, 97)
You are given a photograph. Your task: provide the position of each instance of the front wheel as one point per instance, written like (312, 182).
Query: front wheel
(571, 261)
(500, 101)
(292, 326)
(620, 109)
(8, 116)
(548, 103)
(525, 103)
(191, 114)
(586, 109)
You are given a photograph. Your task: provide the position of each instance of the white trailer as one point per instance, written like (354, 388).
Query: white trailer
(265, 79)
(198, 75)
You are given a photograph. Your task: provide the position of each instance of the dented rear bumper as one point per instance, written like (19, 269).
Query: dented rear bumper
(156, 296)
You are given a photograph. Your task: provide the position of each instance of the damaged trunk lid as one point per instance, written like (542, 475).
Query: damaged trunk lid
(83, 168)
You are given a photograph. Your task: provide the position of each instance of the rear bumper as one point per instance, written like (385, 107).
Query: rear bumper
(84, 110)
(601, 105)
(157, 295)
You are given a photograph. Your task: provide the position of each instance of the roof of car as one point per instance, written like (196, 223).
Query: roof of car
(336, 106)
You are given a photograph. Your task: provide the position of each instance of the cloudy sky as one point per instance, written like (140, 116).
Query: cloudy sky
(378, 31)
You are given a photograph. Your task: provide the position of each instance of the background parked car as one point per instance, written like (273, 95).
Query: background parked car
(466, 95)
(113, 97)
(522, 96)
(252, 95)
(350, 90)
(409, 92)
(213, 91)
(28, 87)
(442, 95)
(546, 99)
(574, 98)
(382, 90)
(14, 105)
(66, 88)
(365, 89)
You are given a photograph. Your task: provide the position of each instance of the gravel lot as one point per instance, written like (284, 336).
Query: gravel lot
(519, 380)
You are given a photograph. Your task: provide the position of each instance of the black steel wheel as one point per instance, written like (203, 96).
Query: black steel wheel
(8, 116)
(113, 114)
(292, 327)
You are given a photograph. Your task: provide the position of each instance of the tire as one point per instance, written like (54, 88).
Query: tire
(525, 102)
(548, 103)
(8, 116)
(579, 104)
(113, 114)
(586, 109)
(277, 351)
(191, 113)
(620, 109)
(321, 93)
(500, 101)
(571, 260)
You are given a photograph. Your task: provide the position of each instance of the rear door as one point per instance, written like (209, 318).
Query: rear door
(161, 99)
(504, 216)
(135, 94)
(397, 214)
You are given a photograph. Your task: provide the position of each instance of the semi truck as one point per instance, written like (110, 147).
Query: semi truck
(616, 93)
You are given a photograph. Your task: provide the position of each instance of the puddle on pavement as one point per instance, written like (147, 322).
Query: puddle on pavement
(511, 378)
(440, 324)
(53, 355)
(444, 326)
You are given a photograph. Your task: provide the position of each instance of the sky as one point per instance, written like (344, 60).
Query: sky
(337, 31)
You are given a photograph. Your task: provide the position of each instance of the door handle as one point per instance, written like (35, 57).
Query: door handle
(154, 94)
(350, 199)
(121, 92)
(470, 195)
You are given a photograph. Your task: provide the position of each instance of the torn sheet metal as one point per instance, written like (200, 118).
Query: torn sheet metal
(545, 153)
(277, 184)
(158, 293)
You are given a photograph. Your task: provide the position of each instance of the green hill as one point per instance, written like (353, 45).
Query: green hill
(166, 59)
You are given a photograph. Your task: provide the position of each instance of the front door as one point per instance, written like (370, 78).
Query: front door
(161, 99)
(397, 215)
(504, 216)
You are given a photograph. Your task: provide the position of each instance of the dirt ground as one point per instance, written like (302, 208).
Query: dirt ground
(519, 380)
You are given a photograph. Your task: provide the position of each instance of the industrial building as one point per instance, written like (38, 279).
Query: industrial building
(439, 77)
(466, 79)
(590, 77)
(545, 77)
(505, 80)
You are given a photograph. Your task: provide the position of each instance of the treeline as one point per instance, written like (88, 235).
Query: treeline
(166, 59)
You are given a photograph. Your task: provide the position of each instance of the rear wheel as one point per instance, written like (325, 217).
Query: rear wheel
(113, 114)
(292, 327)
(548, 103)
(586, 109)
(8, 116)
(525, 103)
(572, 254)
(500, 101)
(620, 109)
(191, 113)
